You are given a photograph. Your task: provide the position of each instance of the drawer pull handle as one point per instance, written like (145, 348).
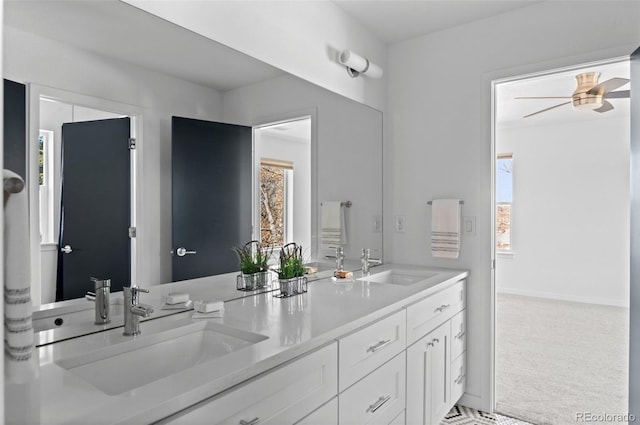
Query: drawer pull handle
(442, 308)
(378, 346)
(378, 404)
(253, 421)
(459, 379)
(460, 335)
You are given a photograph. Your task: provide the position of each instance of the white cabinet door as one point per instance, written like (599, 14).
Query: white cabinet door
(428, 377)
(283, 396)
(325, 415)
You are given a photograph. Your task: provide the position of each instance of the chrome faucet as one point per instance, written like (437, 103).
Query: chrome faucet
(101, 300)
(133, 310)
(367, 261)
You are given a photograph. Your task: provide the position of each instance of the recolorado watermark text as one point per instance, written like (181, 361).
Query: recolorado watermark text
(604, 417)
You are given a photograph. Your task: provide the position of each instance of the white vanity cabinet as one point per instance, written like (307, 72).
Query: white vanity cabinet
(436, 361)
(284, 396)
(372, 373)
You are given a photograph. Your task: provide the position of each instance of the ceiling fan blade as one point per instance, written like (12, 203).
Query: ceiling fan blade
(547, 109)
(544, 97)
(607, 86)
(618, 94)
(606, 106)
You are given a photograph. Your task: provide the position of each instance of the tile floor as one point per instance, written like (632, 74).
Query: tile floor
(461, 415)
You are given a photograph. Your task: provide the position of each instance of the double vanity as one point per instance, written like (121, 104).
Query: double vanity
(388, 348)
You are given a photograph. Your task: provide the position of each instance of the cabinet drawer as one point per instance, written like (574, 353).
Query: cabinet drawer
(368, 348)
(378, 398)
(325, 415)
(398, 420)
(458, 332)
(458, 378)
(283, 396)
(425, 315)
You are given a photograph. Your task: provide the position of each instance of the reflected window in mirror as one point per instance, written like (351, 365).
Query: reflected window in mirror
(276, 201)
(46, 181)
(282, 212)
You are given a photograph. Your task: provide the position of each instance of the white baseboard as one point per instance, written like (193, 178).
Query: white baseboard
(474, 402)
(565, 297)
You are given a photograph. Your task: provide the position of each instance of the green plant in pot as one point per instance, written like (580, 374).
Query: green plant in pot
(253, 265)
(291, 272)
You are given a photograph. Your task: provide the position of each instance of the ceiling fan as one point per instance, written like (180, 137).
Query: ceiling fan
(589, 94)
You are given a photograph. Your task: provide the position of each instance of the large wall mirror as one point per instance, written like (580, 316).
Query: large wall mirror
(108, 60)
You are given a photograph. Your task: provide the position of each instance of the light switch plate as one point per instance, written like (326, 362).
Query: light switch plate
(398, 223)
(469, 225)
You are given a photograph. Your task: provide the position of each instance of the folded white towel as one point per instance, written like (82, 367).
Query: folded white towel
(177, 306)
(19, 363)
(445, 228)
(208, 306)
(175, 298)
(334, 232)
(211, 315)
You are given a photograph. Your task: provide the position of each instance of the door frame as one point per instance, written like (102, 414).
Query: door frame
(309, 113)
(492, 80)
(135, 113)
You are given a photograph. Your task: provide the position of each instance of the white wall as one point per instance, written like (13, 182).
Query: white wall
(438, 137)
(32, 59)
(298, 151)
(570, 220)
(302, 38)
(348, 148)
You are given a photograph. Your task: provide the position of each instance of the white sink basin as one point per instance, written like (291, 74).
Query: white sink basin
(400, 277)
(132, 364)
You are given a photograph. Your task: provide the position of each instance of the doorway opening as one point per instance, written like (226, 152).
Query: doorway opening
(282, 179)
(561, 223)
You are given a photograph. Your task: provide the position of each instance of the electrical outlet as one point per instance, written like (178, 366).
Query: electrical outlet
(376, 224)
(398, 223)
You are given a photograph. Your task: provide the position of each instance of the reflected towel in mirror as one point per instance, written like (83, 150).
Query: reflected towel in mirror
(334, 232)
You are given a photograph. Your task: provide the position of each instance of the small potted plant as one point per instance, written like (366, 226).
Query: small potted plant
(291, 273)
(254, 269)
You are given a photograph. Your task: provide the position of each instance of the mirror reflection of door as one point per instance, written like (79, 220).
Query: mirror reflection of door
(211, 196)
(95, 206)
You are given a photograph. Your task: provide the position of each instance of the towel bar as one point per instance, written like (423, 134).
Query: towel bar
(344, 204)
(431, 203)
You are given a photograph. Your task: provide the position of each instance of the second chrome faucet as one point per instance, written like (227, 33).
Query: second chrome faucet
(133, 310)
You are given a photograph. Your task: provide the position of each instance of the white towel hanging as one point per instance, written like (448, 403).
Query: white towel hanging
(19, 362)
(445, 228)
(334, 232)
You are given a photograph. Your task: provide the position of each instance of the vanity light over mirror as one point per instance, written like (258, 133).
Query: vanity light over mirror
(167, 71)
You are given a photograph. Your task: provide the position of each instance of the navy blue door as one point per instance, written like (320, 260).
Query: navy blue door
(96, 210)
(211, 207)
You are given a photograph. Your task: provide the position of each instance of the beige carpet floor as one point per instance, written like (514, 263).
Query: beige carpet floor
(558, 362)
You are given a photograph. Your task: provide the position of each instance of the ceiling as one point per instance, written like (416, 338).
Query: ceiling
(397, 20)
(510, 111)
(112, 29)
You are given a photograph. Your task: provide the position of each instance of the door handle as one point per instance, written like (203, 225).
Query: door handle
(182, 251)
(67, 249)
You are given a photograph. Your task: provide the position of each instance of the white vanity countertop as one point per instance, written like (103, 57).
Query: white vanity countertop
(293, 326)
